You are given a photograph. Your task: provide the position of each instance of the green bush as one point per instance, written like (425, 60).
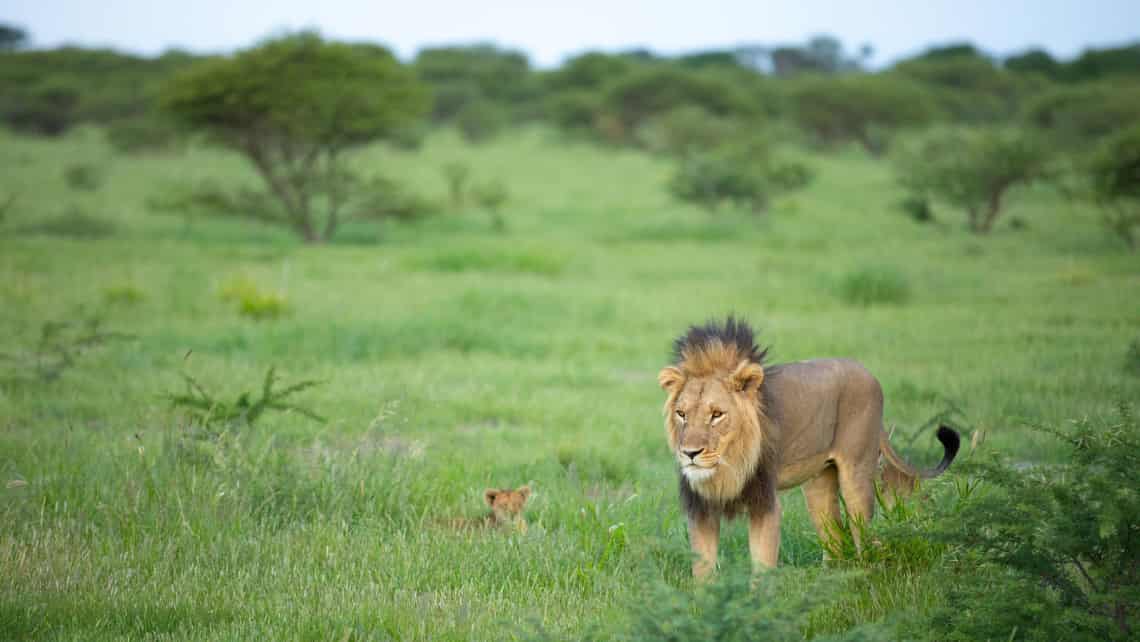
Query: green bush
(874, 286)
(1046, 552)
(1115, 176)
(742, 175)
(651, 91)
(688, 129)
(293, 106)
(85, 177)
(254, 302)
(918, 208)
(972, 169)
(865, 109)
(75, 223)
(150, 133)
(480, 120)
(970, 89)
(1077, 115)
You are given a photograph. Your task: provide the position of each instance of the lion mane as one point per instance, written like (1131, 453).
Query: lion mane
(741, 430)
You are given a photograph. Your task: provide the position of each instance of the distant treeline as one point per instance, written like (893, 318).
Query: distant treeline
(635, 97)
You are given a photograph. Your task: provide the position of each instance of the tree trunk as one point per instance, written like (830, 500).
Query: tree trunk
(993, 209)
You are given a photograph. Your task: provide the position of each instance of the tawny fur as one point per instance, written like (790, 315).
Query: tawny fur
(740, 430)
(506, 506)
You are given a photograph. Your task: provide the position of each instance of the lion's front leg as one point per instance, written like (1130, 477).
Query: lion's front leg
(764, 535)
(704, 536)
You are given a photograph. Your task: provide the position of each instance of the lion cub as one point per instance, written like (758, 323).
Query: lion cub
(506, 510)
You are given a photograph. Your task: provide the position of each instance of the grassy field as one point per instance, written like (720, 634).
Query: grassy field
(456, 358)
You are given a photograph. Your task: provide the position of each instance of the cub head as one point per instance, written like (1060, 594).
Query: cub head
(713, 418)
(506, 504)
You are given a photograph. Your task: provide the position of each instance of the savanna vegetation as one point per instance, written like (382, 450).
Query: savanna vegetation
(272, 321)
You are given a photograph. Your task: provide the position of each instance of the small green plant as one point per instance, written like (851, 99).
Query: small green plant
(84, 177)
(252, 301)
(874, 285)
(918, 208)
(123, 295)
(215, 415)
(456, 174)
(491, 196)
(73, 222)
(1132, 357)
(7, 202)
(59, 347)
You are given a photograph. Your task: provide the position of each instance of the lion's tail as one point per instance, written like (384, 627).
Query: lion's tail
(950, 444)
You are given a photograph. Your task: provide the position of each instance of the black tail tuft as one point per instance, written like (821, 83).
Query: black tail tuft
(950, 443)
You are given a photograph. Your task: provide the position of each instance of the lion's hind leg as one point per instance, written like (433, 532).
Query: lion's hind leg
(857, 484)
(822, 495)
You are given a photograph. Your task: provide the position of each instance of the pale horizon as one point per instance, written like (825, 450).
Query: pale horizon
(550, 34)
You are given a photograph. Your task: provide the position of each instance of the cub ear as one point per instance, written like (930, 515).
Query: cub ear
(671, 378)
(747, 377)
(524, 491)
(489, 496)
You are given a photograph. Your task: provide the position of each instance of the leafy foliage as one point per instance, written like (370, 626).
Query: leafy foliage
(743, 175)
(864, 109)
(1115, 176)
(874, 285)
(292, 107)
(1056, 547)
(213, 414)
(972, 169)
(1077, 115)
(59, 347)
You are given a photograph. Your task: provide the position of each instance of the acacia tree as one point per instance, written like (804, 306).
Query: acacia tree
(1115, 176)
(972, 169)
(293, 106)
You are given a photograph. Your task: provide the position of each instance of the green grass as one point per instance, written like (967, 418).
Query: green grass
(458, 358)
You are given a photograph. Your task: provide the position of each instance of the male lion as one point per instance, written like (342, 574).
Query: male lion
(742, 431)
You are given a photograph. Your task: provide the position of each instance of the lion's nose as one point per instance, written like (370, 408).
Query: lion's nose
(692, 454)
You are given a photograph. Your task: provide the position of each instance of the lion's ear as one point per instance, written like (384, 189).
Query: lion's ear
(524, 491)
(671, 378)
(747, 377)
(489, 496)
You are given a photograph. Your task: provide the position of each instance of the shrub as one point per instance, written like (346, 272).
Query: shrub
(742, 175)
(688, 129)
(1047, 552)
(874, 285)
(864, 109)
(252, 301)
(480, 121)
(215, 415)
(1132, 357)
(1074, 116)
(456, 174)
(59, 347)
(86, 177)
(1115, 176)
(918, 208)
(972, 169)
(491, 196)
(149, 133)
(293, 107)
(75, 223)
(969, 88)
(652, 91)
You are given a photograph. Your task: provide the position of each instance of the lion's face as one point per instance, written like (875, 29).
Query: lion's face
(507, 504)
(712, 422)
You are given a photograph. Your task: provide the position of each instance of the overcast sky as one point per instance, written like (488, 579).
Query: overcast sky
(550, 31)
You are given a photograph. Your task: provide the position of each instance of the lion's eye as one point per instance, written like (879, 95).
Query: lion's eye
(681, 414)
(716, 414)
